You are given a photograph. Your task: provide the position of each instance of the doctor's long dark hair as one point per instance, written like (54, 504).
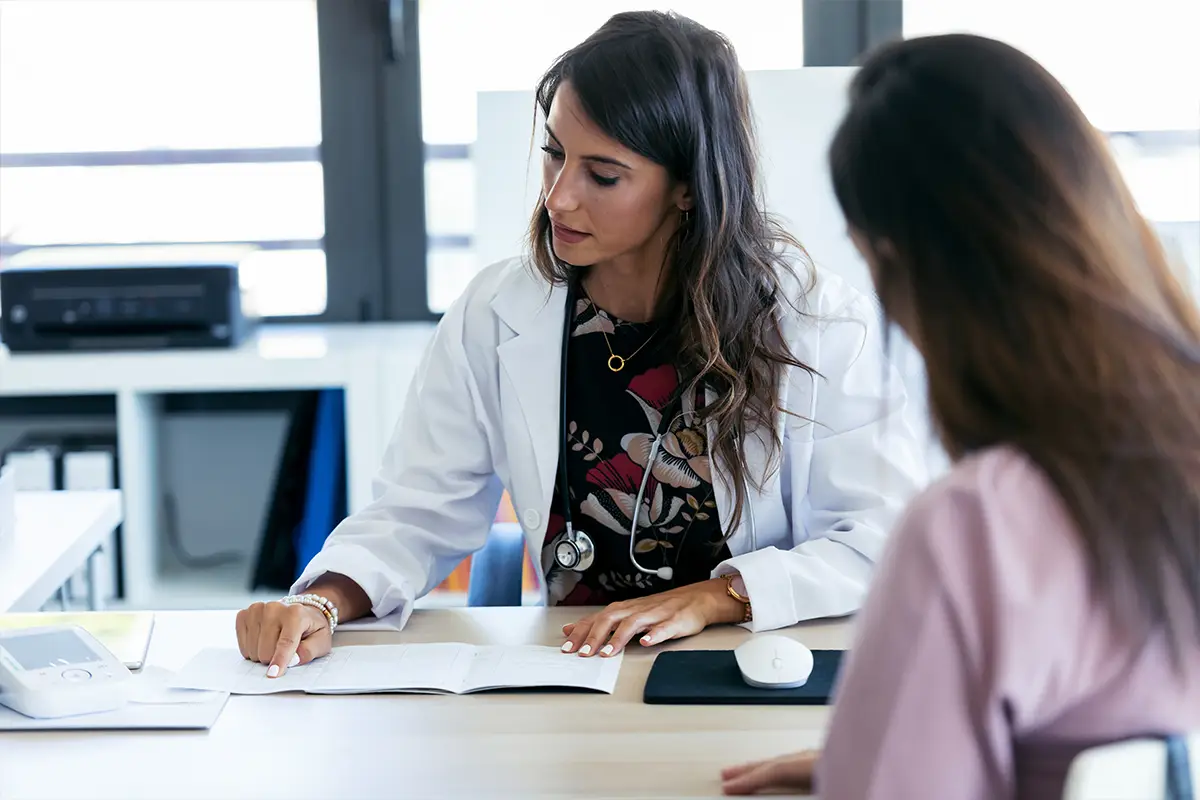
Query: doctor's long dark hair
(672, 91)
(1008, 246)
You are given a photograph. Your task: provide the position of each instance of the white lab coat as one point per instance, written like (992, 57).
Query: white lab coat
(482, 415)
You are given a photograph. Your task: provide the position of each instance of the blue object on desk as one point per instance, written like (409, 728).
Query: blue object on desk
(1179, 772)
(497, 570)
(325, 498)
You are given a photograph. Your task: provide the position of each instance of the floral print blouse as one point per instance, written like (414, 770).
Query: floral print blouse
(613, 418)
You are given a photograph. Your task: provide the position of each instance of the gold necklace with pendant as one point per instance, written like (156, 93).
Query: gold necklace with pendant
(615, 362)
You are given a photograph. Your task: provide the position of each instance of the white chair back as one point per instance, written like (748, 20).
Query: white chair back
(1138, 769)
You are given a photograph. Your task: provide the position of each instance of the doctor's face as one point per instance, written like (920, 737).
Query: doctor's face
(605, 201)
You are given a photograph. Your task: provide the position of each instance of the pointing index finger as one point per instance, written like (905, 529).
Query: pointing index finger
(292, 630)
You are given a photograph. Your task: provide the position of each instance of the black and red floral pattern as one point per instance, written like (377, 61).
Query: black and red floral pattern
(612, 421)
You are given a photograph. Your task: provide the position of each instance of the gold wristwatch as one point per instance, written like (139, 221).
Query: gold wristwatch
(736, 595)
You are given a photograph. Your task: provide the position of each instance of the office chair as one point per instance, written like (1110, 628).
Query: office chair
(497, 570)
(1146, 769)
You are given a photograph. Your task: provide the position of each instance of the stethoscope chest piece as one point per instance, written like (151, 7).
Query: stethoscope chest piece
(575, 552)
(575, 549)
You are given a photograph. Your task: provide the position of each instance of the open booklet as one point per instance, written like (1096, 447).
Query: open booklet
(425, 668)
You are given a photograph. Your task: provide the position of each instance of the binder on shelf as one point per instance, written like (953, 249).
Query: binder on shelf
(8, 514)
(309, 495)
(91, 465)
(50, 461)
(34, 464)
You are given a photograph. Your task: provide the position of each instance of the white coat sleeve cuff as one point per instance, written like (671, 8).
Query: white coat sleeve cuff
(387, 589)
(768, 585)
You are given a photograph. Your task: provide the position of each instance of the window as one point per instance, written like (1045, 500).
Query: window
(131, 122)
(179, 122)
(1132, 67)
(468, 47)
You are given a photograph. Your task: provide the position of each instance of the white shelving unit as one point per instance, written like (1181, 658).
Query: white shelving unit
(373, 363)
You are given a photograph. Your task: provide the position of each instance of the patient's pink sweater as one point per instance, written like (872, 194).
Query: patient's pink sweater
(983, 663)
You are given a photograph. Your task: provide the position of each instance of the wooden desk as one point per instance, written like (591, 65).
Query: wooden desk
(513, 745)
(56, 534)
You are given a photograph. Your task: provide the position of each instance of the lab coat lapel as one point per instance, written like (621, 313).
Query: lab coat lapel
(532, 359)
(724, 491)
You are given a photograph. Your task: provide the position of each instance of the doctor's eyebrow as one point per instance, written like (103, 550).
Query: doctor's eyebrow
(594, 158)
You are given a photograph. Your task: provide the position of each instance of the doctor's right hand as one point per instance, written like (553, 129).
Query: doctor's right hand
(282, 635)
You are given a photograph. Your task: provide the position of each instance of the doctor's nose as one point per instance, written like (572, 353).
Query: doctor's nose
(561, 197)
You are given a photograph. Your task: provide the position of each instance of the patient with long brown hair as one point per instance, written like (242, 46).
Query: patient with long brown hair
(1044, 597)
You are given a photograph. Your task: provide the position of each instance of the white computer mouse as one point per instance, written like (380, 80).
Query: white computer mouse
(770, 661)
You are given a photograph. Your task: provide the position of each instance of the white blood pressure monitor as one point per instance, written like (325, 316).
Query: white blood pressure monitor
(59, 671)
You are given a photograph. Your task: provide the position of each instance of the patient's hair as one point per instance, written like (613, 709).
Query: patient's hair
(1007, 244)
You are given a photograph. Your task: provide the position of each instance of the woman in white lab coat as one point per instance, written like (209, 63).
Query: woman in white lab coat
(663, 346)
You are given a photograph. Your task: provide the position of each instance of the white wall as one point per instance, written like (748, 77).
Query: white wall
(1181, 240)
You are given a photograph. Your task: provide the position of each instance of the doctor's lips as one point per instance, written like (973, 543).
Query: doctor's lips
(567, 235)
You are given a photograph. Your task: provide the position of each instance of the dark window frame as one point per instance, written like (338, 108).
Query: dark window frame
(838, 32)
(372, 160)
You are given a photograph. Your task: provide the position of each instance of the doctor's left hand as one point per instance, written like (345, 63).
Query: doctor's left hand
(668, 615)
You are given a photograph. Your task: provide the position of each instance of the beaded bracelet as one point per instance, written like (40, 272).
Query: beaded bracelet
(322, 604)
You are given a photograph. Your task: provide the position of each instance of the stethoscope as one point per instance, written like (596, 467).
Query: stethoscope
(575, 550)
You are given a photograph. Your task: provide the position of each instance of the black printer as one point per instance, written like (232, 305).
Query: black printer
(49, 306)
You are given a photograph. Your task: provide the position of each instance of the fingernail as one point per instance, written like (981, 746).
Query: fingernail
(294, 660)
(647, 639)
(273, 671)
(568, 647)
(583, 651)
(607, 650)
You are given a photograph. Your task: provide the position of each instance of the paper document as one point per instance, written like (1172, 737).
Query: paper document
(151, 705)
(153, 687)
(450, 668)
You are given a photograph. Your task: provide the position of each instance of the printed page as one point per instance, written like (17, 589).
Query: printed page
(224, 670)
(396, 668)
(152, 686)
(499, 667)
(347, 670)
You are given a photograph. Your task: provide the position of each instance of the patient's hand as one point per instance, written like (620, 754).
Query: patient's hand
(282, 635)
(793, 773)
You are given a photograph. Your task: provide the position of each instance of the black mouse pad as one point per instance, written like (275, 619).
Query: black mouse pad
(712, 677)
